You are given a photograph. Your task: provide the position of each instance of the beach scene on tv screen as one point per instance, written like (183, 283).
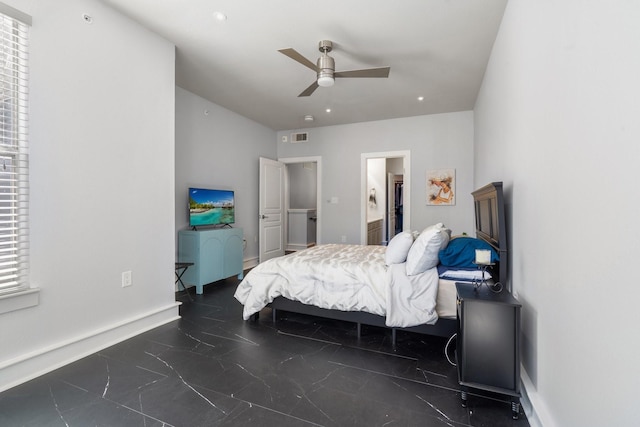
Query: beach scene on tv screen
(210, 207)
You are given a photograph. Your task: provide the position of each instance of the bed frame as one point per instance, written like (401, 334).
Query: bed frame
(490, 227)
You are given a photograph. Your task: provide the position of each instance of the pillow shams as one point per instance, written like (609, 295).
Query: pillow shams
(398, 248)
(423, 254)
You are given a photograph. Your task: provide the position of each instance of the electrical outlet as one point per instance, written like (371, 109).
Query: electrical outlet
(126, 279)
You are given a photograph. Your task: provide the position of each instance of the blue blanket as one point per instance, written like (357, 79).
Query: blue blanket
(461, 252)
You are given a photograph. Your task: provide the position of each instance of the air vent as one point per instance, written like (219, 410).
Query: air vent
(299, 137)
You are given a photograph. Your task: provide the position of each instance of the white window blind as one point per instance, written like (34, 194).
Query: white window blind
(14, 161)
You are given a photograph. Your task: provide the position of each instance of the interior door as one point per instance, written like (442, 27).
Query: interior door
(271, 206)
(391, 207)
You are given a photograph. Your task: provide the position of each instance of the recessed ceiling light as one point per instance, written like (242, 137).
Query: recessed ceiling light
(220, 17)
(308, 118)
(421, 98)
(328, 110)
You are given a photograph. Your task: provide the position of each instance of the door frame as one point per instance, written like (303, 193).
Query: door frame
(406, 165)
(310, 159)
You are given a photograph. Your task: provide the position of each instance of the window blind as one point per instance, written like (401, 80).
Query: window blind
(14, 161)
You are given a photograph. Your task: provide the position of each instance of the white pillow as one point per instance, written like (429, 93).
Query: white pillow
(466, 275)
(423, 254)
(398, 248)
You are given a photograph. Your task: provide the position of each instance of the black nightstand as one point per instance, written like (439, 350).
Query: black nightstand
(488, 342)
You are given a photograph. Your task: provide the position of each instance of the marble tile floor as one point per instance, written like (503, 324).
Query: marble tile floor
(211, 368)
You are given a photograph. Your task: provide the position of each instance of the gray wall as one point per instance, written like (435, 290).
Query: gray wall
(217, 148)
(303, 183)
(557, 120)
(101, 186)
(436, 142)
(394, 166)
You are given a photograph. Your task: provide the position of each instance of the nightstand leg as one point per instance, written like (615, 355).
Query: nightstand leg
(515, 409)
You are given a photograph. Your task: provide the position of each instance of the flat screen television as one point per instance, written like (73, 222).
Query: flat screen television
(209, 207)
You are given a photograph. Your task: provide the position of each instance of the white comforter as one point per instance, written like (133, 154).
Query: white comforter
(343, 277)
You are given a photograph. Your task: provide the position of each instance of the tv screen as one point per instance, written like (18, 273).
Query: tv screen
(211, 207)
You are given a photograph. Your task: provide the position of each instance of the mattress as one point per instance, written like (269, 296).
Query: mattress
(347, 278)
(446, 299)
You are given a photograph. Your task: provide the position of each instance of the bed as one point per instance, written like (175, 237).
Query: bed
(375, 285)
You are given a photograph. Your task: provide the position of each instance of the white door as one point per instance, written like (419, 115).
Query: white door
(271, 205)
(391, 206)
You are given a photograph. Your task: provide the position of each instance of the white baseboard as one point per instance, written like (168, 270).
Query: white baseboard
(295, 247)
(39, 362)
(249, 263)
(533, 407)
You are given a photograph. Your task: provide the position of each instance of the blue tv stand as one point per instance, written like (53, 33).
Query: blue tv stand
(215, 253)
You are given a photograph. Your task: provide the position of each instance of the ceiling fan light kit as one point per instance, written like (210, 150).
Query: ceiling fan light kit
(325, 68)
(325, 81)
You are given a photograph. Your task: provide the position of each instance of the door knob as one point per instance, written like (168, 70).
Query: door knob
(262, 216)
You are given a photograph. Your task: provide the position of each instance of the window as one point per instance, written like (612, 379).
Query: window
(14, 161)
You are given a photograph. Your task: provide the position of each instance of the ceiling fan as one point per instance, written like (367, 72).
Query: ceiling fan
(326, 68)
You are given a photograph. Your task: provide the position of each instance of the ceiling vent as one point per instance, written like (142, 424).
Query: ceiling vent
(299, 137)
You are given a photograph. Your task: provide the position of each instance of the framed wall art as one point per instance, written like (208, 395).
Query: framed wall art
(441, 187)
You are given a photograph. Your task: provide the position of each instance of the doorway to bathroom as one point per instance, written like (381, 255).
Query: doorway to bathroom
(385, 183)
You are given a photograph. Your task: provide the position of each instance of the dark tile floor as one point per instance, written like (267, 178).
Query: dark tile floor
(211, 368)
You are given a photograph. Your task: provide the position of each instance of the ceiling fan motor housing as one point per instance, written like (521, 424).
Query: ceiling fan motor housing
(326, 67)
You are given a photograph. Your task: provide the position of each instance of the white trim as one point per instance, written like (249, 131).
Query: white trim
(303, 211)
(532, 405)
(318, 161)
(15, 13)
(249, 263)
(38, 362)
(299, 246)
(19, 300)
(406, 163)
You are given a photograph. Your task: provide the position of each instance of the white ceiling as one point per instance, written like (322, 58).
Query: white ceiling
(437, 49)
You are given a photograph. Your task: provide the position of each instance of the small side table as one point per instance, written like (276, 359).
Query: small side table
(181, 267)
(488, 343)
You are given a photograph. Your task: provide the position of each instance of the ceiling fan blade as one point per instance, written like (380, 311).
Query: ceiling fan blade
(370, 72)
(293, 54)
(308, 91)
